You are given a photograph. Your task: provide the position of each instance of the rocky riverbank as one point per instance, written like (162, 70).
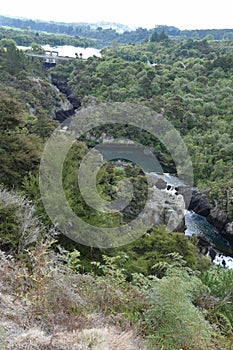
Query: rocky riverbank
(215, 215)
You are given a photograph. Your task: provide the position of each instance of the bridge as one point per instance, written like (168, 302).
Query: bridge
(50, 58)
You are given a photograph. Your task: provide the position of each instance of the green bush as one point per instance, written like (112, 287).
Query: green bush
(172, 321)
(155, 246)
(219, 300)
(9, 227)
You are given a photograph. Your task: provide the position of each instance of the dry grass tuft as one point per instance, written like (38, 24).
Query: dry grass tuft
(95, 339)
(68, 324)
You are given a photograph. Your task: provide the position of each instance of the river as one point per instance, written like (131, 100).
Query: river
(198, 225)
(68, 50)
(195, 224)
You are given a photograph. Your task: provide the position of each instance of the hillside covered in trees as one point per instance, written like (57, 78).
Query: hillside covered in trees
(190, 81)
(159, 291)
(104, 34)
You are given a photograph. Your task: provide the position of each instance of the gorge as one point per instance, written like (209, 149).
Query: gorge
(201, 219)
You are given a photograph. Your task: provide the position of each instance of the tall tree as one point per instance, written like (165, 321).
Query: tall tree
(19, 152)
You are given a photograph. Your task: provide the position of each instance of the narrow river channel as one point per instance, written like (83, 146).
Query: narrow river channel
(195, 224)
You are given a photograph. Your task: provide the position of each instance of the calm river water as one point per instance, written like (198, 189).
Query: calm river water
(68, 50)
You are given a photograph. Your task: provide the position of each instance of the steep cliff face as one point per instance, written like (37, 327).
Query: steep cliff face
(200, 204)
(63, 109)
(195, 200)
(62, 85)
(218, 218)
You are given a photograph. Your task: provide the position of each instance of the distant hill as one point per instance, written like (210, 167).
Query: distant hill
(119, 28)
(104, 33)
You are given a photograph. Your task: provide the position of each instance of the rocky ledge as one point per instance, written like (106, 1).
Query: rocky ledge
(195, 200)
(220, 220)
(199, 203)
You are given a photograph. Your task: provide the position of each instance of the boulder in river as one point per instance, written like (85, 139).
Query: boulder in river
(161, 184)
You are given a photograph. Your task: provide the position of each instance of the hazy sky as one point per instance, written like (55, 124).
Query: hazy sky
(134, 13)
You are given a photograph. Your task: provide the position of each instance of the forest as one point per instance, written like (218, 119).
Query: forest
(104, 34)
(159, 291)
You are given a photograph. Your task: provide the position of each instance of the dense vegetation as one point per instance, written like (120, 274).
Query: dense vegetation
(174, 307)
(160, 283)
(27, 38)
(190, 81)
(103, 35)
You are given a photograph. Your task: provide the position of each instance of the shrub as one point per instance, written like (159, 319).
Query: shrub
(18, 225)
(219, 301)
(9, 227)
(172, 321)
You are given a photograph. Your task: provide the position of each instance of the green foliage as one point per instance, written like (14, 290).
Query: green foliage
(156, 37)
(43, 126)
(19, 152)
(110, 267)
(104, 36)
(72, 191)
(112, 292)
(9, 114)
(190, 81)
(173, 321)
(163, 309)
(9, 227)
(219, 301)
(14, 60)
(167, 313)
(155, 246)
(73, 260)
(26, 39)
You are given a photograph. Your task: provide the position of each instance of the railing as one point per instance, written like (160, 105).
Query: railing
(49, 55)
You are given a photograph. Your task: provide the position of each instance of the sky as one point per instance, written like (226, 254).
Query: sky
(184, 14)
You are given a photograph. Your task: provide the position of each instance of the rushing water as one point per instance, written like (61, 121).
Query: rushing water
(198, 225)
(195, 224)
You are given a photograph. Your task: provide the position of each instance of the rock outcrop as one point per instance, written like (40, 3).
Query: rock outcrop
(164, 207)
(161, 184)
(195, 200)
(228, 231)
(199, 203)
(64, 110)
(218, 218)
(72, 102)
